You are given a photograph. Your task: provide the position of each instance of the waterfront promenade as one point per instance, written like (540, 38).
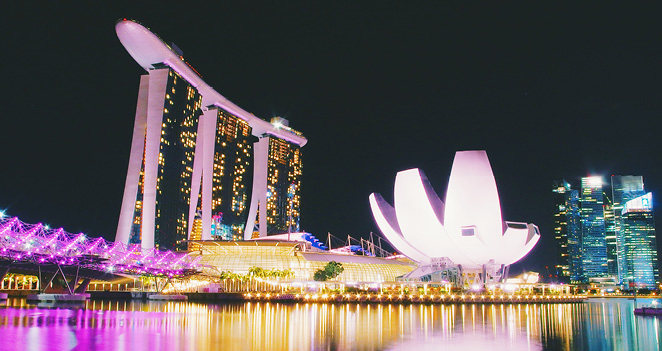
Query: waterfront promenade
(334, 297)
(103, 324)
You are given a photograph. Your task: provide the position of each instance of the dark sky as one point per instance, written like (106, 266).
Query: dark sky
(549, 91)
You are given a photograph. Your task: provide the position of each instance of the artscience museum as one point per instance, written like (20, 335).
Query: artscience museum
(462, 239)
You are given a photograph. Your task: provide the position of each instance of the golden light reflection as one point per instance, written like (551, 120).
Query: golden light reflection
(263, 325)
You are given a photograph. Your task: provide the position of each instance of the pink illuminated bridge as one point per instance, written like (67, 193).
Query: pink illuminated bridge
(24, 244)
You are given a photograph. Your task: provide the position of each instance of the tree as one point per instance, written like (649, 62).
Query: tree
(319, 275)
(256, 272)
(330, 271)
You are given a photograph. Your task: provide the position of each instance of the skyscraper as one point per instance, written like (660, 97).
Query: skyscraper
(624, 189)
(222, 174)
(283, 196)
(158, 184)
(567, 231)
(610, 236)
(561, 189)
(594, 245)
(285, 169)
(192, 155)
(638, 259)
(573, 217)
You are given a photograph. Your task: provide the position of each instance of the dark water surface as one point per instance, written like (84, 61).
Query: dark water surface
(601, 324)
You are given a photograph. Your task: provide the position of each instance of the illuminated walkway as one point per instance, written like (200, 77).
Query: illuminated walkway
(29, 248)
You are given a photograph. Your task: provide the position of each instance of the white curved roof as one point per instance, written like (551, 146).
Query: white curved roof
(149, 50)
(467, 229)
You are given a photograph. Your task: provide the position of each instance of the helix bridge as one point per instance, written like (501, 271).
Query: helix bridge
(36, 247)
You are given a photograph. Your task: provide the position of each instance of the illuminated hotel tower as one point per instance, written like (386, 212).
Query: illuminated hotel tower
(283, 184)
(158, 181)
(222, 170)
(193, 151)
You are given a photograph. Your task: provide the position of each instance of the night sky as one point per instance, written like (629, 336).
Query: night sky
(549, 91)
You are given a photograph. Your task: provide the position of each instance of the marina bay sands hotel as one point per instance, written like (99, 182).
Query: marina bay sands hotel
(200, 166)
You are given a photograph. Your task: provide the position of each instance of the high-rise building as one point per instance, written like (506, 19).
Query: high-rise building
(561, 190)
(155, 209)
(283, 196)
(594, 245)
(284, 184)
(638, 259)
(223, 174)
(574, 227)
(610, 236)
(624, 189)
(192, 155)
(567, 231)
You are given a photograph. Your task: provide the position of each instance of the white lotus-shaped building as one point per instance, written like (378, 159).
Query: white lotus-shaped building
(466, 231)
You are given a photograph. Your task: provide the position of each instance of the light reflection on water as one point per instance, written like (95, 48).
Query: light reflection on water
(130, 325)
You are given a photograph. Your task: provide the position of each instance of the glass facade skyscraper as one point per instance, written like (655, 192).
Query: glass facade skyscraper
(610, 237)
(624, 189)
(573, 217)
(567, 231)
(639, 252)
(594, 245)
(561, 189)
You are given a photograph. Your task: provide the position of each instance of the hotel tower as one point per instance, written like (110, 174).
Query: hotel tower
(201, 167)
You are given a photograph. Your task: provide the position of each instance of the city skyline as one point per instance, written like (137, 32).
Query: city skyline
(375, 89)
(605, 230)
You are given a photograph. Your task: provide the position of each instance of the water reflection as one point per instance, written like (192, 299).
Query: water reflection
(124, 325)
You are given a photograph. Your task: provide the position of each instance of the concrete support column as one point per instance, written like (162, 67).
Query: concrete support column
(158, 81)
(258, 207)
(135, 163)
(209, 130)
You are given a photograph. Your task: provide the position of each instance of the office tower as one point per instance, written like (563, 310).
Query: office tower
(594, 245)
(155, 207)
(567, 231)
(624, 189)
(561, 190)
(193, 152)
(573, 218)
(638, 257)
(610, 236)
